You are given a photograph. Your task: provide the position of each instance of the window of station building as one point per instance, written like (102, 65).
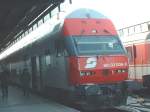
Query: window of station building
(62, 7)
(70, 1)
(40, 22)
(34, 26)
(18, 71)
(131, 30)
(46, 17)
(54, 11)
(137, 28)
(126, 32)
(13, 72)
(59, 8)
(65, 4)
(30, 30)
(14, 41)
(20, 36)
(120, 32)
(17, 38)
(26, 33)
(149, 26)
(144, 27)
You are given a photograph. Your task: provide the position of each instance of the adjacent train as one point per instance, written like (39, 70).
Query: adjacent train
(136, 39)
(79, 57)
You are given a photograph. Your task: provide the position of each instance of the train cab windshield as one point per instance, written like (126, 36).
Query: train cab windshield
(98, 45)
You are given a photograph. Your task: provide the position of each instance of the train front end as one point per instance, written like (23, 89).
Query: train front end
(98, 65)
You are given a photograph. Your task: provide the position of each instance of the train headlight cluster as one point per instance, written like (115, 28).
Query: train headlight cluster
(87, 73)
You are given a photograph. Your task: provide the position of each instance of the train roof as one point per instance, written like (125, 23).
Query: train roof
(86, 13)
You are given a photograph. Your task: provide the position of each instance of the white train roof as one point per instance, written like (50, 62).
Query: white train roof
(85, 13)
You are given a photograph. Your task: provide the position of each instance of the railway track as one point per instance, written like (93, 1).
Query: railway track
(136, 104)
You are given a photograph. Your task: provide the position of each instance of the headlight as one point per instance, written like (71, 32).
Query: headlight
(87, 73)
(121, 71)
(82, 73)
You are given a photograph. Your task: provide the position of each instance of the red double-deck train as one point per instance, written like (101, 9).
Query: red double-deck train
(79, 57)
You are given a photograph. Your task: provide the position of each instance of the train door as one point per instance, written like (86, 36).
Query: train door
(34, 72)
(45, 66)
(41, 71)
(37, 72)
(131, 50)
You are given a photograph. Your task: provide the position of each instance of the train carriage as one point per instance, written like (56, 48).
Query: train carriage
(79, 57)
(136, 39)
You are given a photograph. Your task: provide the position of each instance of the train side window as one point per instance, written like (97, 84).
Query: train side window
(13, 72)
(48, 60)
(59, 48)
(59, 53)
(66, 54)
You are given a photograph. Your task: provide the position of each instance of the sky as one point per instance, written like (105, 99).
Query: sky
(123, 13)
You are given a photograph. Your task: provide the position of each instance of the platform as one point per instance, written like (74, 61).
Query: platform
(16, 102)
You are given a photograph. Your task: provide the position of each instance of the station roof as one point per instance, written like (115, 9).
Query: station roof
(14, 14)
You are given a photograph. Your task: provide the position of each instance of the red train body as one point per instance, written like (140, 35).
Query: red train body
(102, 27)
(137, 44)
(80, 58)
